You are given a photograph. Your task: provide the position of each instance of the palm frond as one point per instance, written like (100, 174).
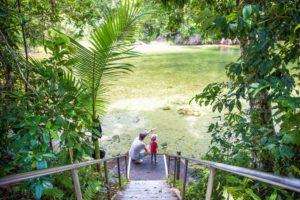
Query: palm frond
(111, 43)
(101, 100)
(92, 190)
(55, 193)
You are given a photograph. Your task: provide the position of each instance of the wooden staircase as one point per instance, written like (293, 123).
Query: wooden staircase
(147, 190)
(148, 181)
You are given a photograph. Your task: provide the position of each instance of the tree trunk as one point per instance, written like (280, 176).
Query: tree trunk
(96, 148)
(94, 138)
(261, 111)
(261, 117)
(25, 45)
(8, 78)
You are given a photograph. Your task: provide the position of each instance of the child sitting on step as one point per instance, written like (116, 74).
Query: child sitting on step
(153, 148)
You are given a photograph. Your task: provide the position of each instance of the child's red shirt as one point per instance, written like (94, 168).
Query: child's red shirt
(153, 147)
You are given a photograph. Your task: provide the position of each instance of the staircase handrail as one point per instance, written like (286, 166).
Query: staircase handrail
(281, 181)
(17, 178)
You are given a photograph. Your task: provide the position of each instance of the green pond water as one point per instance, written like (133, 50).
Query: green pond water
(157, 94)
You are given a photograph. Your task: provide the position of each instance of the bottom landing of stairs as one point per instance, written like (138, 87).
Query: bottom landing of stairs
(148, 190)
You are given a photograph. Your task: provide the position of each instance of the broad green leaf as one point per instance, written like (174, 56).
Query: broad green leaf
(48, 125)
(256, 91)
(297, 27)
(49, 156)
(54, 135)
(97, 133)
(296, 169)
(293, 138)
(21, 125)
(61, 91)
(45, 135)
(63, 38)
(33, 130)
(285, 151)
(233, 27)
(47, 184)
(38, 191)
(226, 194)
(33, 165)
(41, 164)
(34, 142)
(28, 158)
(252, 194)
(273, 196)
(233, 179)
(247, 10)
(255, 85)
(60, 120)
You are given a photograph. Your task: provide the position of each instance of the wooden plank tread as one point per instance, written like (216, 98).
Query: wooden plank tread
(147, 190)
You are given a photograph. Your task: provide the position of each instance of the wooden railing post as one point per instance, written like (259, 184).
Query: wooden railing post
(106, 180)
(119, 173)
(178, 165)
(210, 183)
(184, 179)
(98, 167)
(169, 161)
(175, 161)
(76, 184)
(126, 168)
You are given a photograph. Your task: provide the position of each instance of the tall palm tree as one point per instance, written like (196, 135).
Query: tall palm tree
(111, 42)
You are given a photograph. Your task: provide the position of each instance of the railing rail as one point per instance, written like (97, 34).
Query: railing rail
(284, 182)
(281, 181)
(11, 179)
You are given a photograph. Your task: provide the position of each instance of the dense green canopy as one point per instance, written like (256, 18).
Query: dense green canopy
(49, 106)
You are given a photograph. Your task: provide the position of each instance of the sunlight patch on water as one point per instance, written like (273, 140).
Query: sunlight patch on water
(138, 104)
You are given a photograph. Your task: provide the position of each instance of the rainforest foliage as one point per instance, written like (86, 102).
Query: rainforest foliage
(50, 108)
(259, 104)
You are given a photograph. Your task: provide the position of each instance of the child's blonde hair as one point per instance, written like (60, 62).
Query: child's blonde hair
(153, 137)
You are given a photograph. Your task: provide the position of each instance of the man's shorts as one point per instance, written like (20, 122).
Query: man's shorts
(141, 155)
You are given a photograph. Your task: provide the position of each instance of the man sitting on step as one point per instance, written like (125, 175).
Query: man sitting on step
(138, 149)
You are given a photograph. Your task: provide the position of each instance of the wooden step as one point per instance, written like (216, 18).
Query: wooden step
(147, 190)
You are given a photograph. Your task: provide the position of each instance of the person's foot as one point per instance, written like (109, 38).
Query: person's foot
(140, 161)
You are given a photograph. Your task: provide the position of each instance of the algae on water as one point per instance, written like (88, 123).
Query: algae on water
(157, 94)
